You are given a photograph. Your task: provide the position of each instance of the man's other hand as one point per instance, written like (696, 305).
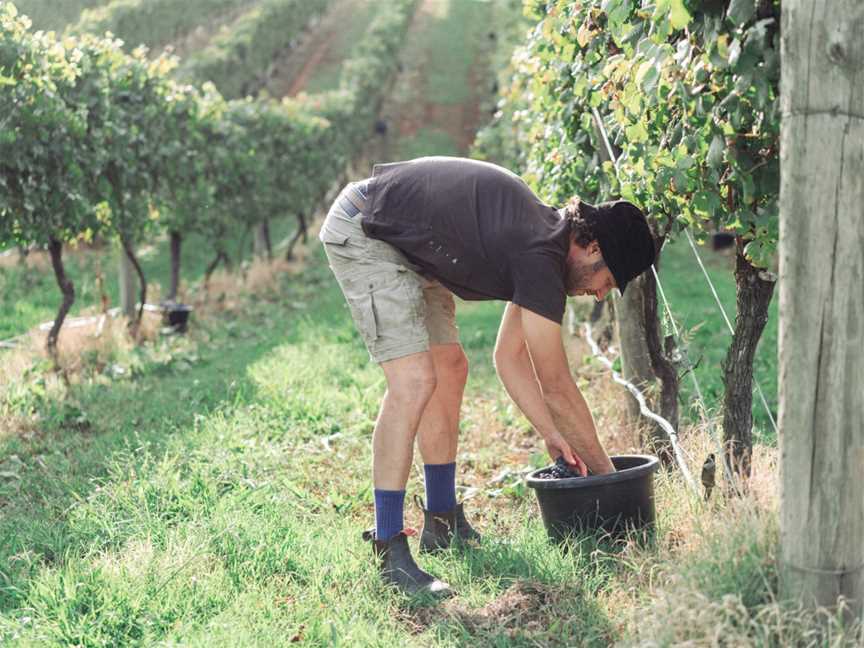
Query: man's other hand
(558, 447)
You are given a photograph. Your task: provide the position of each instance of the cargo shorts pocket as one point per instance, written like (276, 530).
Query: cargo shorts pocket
(329, 236)
(363, 313)
(386, 309)
(340, 247)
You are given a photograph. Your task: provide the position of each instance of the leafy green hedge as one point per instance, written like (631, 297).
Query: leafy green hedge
(149, 22)
(97, 142)
(689, 93)
(240, 54)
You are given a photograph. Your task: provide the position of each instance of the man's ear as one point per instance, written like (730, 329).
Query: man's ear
(594, 248)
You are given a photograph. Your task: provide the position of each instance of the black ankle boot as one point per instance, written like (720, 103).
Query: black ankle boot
(439, 529)
(398, 567)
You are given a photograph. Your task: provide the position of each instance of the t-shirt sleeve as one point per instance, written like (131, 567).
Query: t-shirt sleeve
(538, 285)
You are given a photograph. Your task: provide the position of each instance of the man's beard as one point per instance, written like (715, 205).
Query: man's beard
(578, 276)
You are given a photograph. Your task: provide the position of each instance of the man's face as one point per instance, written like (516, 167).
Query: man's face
(587, 273)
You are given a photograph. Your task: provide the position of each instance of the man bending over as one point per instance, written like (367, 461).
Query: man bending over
(401, 244)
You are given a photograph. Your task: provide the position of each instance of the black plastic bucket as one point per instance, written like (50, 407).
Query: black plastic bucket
(612, 503)
(176, 316)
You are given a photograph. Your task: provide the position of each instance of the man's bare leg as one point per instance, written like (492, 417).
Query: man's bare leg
(410, 385)
(438, 431)
(438, 438)
(411, 382)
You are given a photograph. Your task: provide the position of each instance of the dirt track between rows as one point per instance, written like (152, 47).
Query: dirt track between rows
(409, 108)
(291, 72)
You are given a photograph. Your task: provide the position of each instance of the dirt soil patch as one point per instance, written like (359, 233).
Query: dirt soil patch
(291, 71)
(524, 607)
(410, 107)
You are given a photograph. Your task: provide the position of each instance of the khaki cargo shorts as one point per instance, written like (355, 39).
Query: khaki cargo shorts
(397, 311)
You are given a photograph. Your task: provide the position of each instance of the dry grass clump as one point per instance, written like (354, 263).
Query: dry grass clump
(684, 616)
(87, 346)
(711, 579)
(228, 289)
(37, 259)
(34, 260)
(19, 359)
(91, 342)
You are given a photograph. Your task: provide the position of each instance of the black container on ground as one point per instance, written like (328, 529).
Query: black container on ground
(176, 316)
(612, 503)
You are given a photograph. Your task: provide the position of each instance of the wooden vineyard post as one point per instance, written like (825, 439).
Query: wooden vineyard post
(128, 284)
(822, 302)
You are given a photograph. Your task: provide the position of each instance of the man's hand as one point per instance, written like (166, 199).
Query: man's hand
(558, 447)
(571, 417)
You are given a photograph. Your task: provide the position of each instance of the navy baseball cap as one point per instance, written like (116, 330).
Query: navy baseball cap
(624, 237)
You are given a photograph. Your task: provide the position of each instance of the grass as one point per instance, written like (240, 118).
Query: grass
(225, 505)
(455, 35)
(326, 75)
(705, 331)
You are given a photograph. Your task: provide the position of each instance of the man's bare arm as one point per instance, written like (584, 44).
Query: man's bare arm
(565, 402)
(513, 364)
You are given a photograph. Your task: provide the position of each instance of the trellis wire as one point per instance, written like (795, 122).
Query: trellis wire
(670, 432)
(729, 325)
(701, 401)
(643, 408)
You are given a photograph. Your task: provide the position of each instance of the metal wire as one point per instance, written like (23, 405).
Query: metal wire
(643, 408)
(700, 397)
(667, 427)
(729, 325)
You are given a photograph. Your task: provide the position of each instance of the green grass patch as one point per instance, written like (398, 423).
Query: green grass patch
(208, 507)
(216, 493)
(426, 141)
(708, 338)
(454, 38)
(326, 75)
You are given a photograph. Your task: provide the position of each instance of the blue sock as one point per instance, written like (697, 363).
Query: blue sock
(389, 506)
(440, 487)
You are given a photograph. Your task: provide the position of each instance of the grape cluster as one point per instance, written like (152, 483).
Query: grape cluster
(561, 470)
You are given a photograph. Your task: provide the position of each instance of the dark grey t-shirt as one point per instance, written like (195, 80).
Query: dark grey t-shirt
(475, 227)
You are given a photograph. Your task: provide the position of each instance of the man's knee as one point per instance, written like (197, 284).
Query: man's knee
(451, 365)
(411, 381)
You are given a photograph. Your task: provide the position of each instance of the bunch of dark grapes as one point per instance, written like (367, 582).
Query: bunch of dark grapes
(561, 470)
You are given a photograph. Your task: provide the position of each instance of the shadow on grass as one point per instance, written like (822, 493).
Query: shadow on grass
(129, 425)
(535, 591)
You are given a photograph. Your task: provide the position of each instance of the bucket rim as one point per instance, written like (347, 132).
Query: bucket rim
(650, 466)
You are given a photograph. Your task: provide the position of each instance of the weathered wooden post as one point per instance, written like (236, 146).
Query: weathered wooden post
(822, 302)
(128, 284)
(263, 247)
